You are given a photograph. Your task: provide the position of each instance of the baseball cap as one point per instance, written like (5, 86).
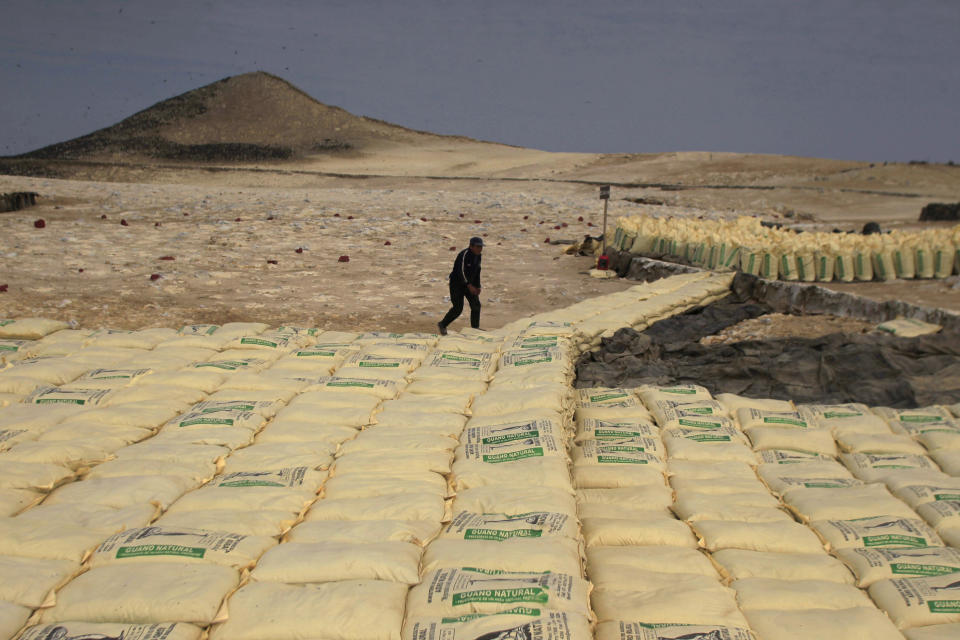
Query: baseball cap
(476, 240)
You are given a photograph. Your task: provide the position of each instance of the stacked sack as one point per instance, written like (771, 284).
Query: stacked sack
(642, 560)
(585, 323)
(745, 244)
(347, 563)
(113, 428)
(509, 561)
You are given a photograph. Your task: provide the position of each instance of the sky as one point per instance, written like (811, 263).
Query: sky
(868, 80)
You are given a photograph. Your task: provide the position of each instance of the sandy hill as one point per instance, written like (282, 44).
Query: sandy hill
(257, 129)
(250, 117)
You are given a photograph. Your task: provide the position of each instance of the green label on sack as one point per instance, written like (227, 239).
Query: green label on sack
(619, 460)
(603, 397)
(497, 534)
(228, 407)
(841, 414)
(521, 363)
(911, 569)
(947, 496)
(510, 437)
(4, 323)
(230, 365)
(943, 606)
(612, 433)
(894, 539)
(60, 401)
(685, 392)
(259, 341)
(188, 423)
(824, 485)
(321, 354)
(703, 411)
(793, 421)
(708, 437)
(365, 385)
(916, 418)
(533, 452)
(251, 483)
(160, 550)
(700, 424)
(524, 594)
(448, 356)
(393, 365)
(9, 347)
(623, 447)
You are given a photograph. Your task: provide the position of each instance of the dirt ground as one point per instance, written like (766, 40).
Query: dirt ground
(263, 243)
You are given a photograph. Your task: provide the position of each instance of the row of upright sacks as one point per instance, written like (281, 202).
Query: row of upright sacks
(746, 245)
(759, 486)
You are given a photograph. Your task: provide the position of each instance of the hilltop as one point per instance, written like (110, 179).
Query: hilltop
(250, 117)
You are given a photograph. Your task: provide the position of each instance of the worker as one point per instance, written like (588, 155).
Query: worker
(465, 283)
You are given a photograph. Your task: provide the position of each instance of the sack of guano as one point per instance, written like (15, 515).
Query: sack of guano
(457, 592)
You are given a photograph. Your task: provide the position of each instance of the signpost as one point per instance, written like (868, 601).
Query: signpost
(604, 261)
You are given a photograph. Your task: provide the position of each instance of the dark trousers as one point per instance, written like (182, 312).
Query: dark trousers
(457, 293)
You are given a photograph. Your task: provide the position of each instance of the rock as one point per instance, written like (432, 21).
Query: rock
(940, 211)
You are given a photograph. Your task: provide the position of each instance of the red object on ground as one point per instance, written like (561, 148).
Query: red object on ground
(453, 248)
(546, 240)
(272, 262)
(154, 276)
(3, 288)
(461, 215)
(524, 230)
(580, 219)
(185, 214)
(156, 224)
(525, 217)
(477, 221)
(238, 219)
(103, 217)
(423, 219)
(39, 224)
(167, 258)
(124, 223)
(387, 243)
(299, 249)
(80, 270)
(563, 224)
(336, 215)
(603, 262)
(349, 217)
(343, 259)
(589, 224)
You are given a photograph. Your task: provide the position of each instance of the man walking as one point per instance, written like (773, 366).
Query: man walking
(465, 283)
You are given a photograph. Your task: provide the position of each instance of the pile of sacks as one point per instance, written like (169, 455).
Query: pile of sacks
(248, 482)
(745, 244)
(587, 322)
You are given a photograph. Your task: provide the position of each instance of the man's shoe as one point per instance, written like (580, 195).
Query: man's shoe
(442, 329)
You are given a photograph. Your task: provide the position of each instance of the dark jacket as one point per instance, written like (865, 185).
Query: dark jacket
(466, 269)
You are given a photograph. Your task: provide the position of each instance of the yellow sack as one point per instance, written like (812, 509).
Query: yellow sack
(943, 257)
(806, 267)
(788, 267)
(769, 266)
(750, 261)
(924, 260)
(883, 265)
(824, 266)
(903, 262)
(862, 265)
(844, 267)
